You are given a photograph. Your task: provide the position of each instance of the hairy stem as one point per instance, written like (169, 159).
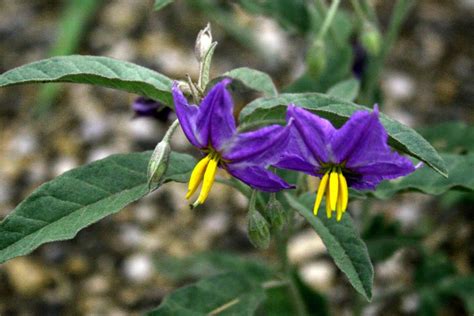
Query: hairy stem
(328, 20)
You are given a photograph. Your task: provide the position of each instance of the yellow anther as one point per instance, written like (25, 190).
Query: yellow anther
(208, 181)
(343, 192)
(321, 190)
(197, 175)
(339, 208)
(328, 207)
(334, 189)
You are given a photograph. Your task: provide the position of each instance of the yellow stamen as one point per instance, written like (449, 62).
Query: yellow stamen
(197, 175)
(334, 189)
(343, 192)
(328, 207)
(208, 181)
(342, 197)
(321, 189)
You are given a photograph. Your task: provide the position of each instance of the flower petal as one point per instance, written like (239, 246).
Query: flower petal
(262, 146)
(359, 139)
(361, 143)
(187, 116)
(384, 167)
(314, 133)
(297, 156)
(258, 178)
(215, 120)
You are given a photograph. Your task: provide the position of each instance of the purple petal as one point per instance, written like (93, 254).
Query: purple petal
(215, 120)
(362, 145)
(360, 140)
(144, 107)
(385, 166)
(314, 133)
(258, 178)
(297, 156)
(263, 146)
(187, 116)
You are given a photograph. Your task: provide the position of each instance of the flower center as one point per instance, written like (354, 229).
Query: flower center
(205, 172)
(334, 184)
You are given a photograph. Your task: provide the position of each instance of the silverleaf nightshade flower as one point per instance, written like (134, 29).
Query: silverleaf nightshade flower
(355, 155)
(211, 128)
(144, 107)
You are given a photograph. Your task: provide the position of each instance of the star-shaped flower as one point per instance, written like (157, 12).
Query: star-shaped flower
(356, 155)
(211, 128)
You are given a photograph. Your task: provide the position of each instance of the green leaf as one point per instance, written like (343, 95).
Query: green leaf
(210, 263)
(160, 4)
(58, 209)
(384, 237)
(462, 287)
(346, 90)
(342, 242)
(427, 181)
(225, 294)
(100, 71)
(264, 111)
(252, 79)
(454, 137)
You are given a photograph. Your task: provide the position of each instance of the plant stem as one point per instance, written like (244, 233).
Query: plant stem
(370, 11)
(328, 20)
(402, 7)
(171, 130)
(320, 11)
(358, 10)
(282, 245)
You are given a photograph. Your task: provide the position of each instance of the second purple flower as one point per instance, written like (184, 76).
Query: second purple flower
(356, 155)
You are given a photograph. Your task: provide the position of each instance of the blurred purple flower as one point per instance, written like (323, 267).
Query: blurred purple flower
(144, 107)
(356, 155)
(211, 128)
(359, 63)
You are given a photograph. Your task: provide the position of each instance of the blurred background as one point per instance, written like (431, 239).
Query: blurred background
(124, 264)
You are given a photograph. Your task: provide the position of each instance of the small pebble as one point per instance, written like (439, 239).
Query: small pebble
(138, 268)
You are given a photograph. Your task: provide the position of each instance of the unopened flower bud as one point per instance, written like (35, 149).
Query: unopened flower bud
(371, 39)
(275, 213)
(158, 163)
(258, 230)
(184, 87)
(203, 43)
(316, 58)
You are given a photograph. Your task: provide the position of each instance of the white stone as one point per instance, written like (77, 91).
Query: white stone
(318, 274)
(138, 268)
(399, 86)
(304, 246)
(64, 164)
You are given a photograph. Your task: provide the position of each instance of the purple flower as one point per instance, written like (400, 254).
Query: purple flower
(211, 128)
(359, 63)
(356, 155)
(144, 107)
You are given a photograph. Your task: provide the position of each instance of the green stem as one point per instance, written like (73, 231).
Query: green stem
(282, 245)
(358, 10)
(320, 10)
(370, 11)
(171, 130)
(402, 7)
(328, 20)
